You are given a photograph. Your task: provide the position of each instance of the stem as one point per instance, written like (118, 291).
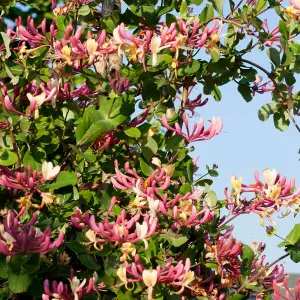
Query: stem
(234, 9)
(11, 133)
(262, 271)
(283, 98)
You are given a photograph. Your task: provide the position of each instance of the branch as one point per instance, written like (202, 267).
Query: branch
(283, 98)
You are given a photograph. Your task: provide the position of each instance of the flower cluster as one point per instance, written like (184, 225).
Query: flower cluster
(19, 239)
(270, 196)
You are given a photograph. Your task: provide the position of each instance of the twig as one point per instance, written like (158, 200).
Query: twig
(283, 98)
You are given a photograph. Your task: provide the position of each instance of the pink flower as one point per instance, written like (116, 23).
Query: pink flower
(267, 276)
(158, 181)
(119, 85)
(18, 239)
(124, 229)
(179, 276)
(26, 180)
(79, 288)
(198, 133)
(282, 290)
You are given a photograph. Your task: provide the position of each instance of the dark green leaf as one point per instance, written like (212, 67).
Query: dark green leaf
(89, 261)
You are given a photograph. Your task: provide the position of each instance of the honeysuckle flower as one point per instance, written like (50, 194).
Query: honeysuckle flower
(122, 231)
(155, 48)
(149, 279)
(284, 292)
(76, 286)
(91, 46)
(48, 199)
(266, 274)
(187, 279)
(269, 176)
(35, 103)
(198, 133)
(122, 275)
(49, 172)
(142, 231)
(78, 289)
(176, 276)
(127, 249)
(92, 237)
(158, 181)
(270, 196)
(18, 239)
(26, 180)
(153, 206)
(137, 204)
(237, 186)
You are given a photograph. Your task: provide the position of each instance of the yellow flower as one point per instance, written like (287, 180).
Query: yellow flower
(122, 275)
(237, 186)
(91, 46)
(127, 249)
(187, 279)
(150, 279)
(66, 52)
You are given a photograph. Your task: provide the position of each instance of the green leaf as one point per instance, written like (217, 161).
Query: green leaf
(32, 264)
(14, 79)
(260, 5)
(245, 91)
(84, 10)
(185, 188)
(266, 110)
(76, 247)
(63, 179)
(196, 2)
(274, 56)
(294, 251)
(173, 143)
(192, 68)
(280, 121)
(283, 30)
(18, 282)
(8, 158)
(89, 261)
(95, 131)
(230, 36)
(247, 256)
(178, 241)
(218, 6)
(124, 294)
(133, 132)
(211, 199)
(6, 41)
(183, 9)
(61, 23)
(204, 182)
(3, 266)
(149, 147)
(35, 158)
(237, 297)
(145, 167)
(294, 235)
(207, 13)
